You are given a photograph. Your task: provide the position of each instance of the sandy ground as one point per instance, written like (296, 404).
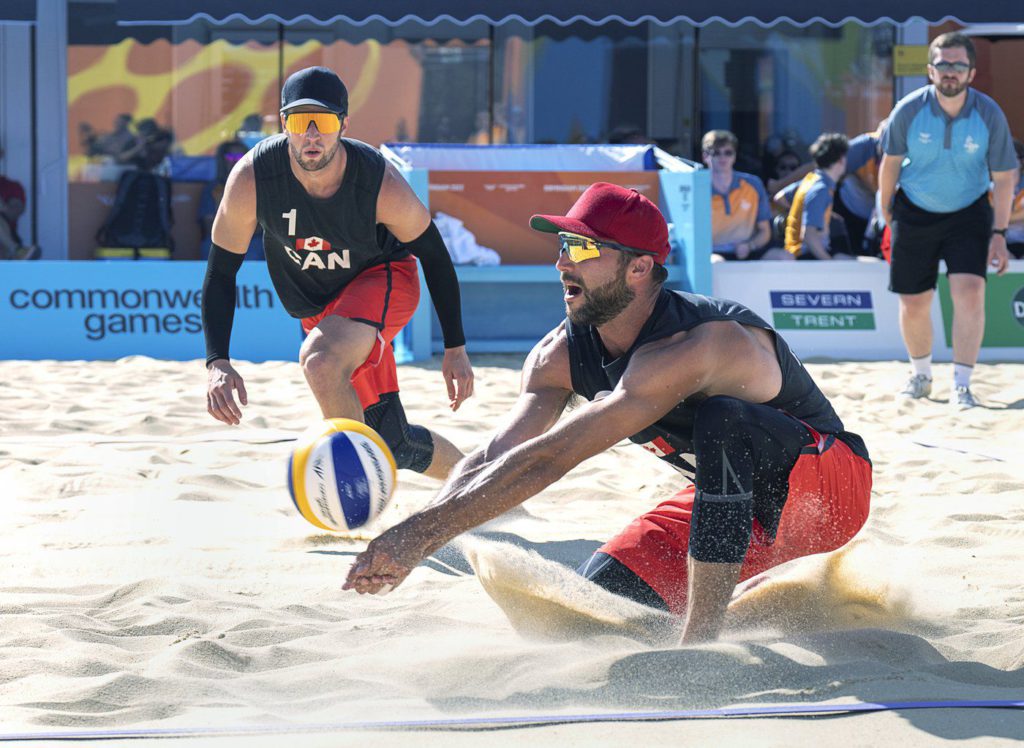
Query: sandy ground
(156, 576)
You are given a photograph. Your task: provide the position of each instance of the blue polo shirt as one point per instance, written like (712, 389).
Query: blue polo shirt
(811, 205)
(861, 183)
(947, 161)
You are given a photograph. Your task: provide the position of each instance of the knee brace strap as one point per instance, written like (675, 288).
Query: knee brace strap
(412, 446)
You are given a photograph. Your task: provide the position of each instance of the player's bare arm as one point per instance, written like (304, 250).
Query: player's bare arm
(233, 228)
(658, 378)
(405, 216)
(235, 222)
(544, 391)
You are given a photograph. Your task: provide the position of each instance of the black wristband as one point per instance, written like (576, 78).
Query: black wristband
(1001, 232)
(442, 282)
(218, 306)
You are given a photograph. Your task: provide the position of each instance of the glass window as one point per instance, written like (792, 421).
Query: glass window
(777, 89)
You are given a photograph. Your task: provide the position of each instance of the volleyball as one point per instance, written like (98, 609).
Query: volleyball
(341, 474)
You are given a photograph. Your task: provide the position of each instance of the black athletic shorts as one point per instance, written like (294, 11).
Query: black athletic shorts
(921, 238)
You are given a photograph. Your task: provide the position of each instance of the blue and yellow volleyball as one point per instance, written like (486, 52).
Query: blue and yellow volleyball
(341, 474)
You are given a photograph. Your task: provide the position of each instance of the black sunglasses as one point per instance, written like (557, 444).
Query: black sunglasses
(951, 67)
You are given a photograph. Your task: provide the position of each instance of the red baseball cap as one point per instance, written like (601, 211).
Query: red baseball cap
(608, 212)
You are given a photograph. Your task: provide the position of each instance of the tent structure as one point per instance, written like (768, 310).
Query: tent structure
(594, 12)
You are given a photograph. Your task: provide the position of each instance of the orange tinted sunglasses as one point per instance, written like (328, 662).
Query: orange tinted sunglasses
(298, 122)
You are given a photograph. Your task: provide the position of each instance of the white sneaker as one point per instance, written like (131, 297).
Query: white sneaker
(917, 386)
(961, 398)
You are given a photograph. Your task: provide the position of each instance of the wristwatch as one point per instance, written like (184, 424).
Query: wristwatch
(1001, 232)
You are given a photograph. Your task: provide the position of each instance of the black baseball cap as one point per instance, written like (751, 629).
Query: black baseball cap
(317, 86)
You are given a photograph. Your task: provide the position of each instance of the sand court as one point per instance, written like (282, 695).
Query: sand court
(156, 576)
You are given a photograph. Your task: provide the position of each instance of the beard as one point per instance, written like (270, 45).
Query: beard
(315, 164)
(950, 87)
(603, 304)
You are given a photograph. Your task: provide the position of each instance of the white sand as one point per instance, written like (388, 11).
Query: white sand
(156, 575)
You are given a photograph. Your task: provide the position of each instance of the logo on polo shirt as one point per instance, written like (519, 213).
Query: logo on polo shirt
(925, 137)
(822, 310)
(970, 146)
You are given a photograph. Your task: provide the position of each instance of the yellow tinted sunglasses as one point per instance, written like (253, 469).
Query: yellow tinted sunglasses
(298, 122)
(580, 248)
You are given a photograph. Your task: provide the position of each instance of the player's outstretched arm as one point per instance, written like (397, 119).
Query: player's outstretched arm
(526, 469)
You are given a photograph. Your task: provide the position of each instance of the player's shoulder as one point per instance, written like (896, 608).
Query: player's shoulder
(548, 363)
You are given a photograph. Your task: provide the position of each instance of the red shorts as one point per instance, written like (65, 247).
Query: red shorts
(828, 501)
(385, 297)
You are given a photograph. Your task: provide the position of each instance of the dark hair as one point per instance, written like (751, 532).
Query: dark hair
(829, 148)
(714, 138)
(952, 39)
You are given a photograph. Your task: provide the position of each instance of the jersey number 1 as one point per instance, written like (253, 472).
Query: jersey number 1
(291, 215)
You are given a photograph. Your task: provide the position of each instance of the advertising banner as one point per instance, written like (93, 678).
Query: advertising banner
(1004, 311)
(830, 309)
(845, 310)
(496, 205)
(106, 310)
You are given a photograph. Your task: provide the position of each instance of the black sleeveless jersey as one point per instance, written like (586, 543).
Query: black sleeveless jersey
(315, 246)
(671, 437)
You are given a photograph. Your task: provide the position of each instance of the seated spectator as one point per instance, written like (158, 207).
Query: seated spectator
(739, 205)
(809, 220)
(1015, 231)
(112, 144)
(12, 205)
(855, 198)
(228, 154)
(152, 146)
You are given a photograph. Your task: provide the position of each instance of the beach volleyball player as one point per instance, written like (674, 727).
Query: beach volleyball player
(340, 228)
(775, 474)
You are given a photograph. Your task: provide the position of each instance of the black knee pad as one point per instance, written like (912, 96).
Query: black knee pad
(412, 446)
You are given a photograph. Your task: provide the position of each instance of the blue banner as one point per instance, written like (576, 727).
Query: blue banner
(852, 300)
(106, 310)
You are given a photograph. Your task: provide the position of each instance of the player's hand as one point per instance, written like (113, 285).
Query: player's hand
(458, 376)
(386, 562)
(220, 397)
(998, 254)
(742, 250)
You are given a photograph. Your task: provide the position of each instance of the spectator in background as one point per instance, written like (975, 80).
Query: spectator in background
(1015, 232)
(227, 155)
(810, 213)
(855, 198)
(12, 205)
(740, 215)
(151, 147)
(114, 143)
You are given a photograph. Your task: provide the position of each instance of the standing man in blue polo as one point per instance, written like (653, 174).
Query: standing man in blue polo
(944, 145)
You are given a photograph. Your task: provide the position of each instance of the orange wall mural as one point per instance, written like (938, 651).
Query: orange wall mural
(203, 91)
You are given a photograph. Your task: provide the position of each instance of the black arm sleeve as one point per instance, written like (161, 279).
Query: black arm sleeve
(443, 284)
(219, 301)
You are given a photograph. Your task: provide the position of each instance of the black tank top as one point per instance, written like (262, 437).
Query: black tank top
(315, 246)
(671, 437)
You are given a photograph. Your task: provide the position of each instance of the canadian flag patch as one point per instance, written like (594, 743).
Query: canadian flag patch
(659, 446)
(312, 244)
